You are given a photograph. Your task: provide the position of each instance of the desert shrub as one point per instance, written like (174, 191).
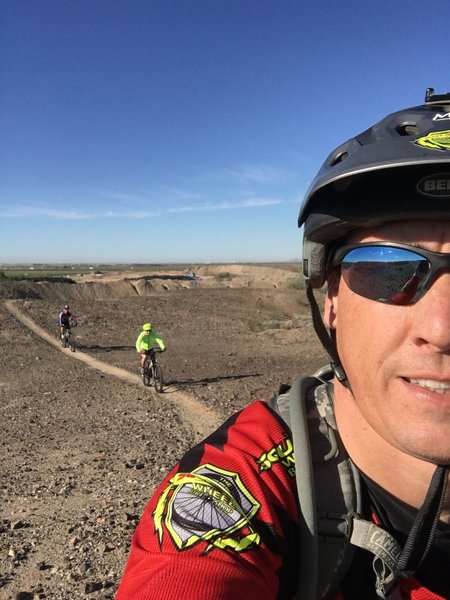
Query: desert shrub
(224, 276)
(259, 322)
(295, 283)
(256, 323)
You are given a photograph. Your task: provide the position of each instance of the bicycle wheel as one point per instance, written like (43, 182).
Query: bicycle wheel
(72, 343)
(158, 377)
(147, 376)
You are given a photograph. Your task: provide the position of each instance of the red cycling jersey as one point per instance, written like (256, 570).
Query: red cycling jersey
(224, 523)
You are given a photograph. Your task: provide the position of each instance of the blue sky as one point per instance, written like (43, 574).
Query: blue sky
(189, 130)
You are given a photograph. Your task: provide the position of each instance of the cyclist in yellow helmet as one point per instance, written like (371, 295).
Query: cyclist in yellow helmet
(148, 339)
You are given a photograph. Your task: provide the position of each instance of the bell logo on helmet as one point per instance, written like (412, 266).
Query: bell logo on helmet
(435, 140)
(435, 185)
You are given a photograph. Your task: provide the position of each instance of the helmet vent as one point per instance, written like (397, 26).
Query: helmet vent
(339, 158)
(407, 129)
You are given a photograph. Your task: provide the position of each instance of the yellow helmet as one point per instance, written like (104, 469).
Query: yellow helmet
(147, 327)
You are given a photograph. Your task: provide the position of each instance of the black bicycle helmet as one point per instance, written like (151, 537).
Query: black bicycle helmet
(398, 169)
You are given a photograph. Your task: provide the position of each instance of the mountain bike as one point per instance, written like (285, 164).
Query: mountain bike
(152, 370)
(67, 339)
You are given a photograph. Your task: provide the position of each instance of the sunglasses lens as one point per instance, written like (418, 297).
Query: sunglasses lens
(385, 273)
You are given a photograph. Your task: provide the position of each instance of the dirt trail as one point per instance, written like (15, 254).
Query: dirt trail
(195, 413)
(84, 444)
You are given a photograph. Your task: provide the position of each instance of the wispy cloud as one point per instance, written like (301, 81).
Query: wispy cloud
(248, 203)
(259, 174)
(120, 196)
(250, 175)
(24, 211)
(71, 215)
(179, 194)
(162, 192)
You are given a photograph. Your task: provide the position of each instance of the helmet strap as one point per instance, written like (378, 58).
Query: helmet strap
(327, 338)
(422, 533)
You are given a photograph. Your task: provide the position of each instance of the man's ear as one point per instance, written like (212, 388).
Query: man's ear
(331, 300)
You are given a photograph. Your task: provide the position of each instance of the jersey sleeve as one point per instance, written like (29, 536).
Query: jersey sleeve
(138, 342)
(160, 342)
(224, 523)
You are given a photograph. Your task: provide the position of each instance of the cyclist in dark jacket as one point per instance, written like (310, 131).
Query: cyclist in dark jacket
(66, 319)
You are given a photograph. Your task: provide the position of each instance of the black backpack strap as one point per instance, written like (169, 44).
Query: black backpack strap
(326, 485)
(337, 487)
(330, 495)
(309, 563)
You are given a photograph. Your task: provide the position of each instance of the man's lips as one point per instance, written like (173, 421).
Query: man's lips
(439, 387)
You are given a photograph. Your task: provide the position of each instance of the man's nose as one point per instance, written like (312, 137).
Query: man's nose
(433, 318)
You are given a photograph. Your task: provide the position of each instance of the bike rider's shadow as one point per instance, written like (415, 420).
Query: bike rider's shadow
(207, 380)
(94, 347)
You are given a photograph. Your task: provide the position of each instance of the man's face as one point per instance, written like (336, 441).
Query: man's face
(394, 355)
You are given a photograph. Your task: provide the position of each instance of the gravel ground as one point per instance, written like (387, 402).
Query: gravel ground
(83, 447)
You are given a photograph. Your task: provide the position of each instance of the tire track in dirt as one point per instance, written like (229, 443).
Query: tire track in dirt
(196, 415)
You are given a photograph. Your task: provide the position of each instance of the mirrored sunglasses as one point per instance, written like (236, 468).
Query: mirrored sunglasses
(393, 273)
